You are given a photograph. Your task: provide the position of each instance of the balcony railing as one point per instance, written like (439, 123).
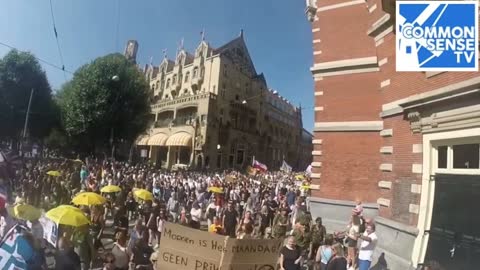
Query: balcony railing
(183, 99)
(163, 123)
(177, 122)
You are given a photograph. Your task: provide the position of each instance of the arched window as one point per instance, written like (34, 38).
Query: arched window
(195, 72)
(173, 93)
(174, 79)
(168, 83)
(187, 76)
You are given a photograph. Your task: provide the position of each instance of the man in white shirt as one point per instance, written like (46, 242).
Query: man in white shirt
(369, 242)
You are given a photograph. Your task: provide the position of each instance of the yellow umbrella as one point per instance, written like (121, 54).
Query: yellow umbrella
(24, 212)
(215, 189)
(67, 215)
(88, 198)
(54, 173)
(299, 177)
(143, 194)
(78, 160)
(110, 189)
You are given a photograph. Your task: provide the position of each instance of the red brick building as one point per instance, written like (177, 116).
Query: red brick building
(406, 144)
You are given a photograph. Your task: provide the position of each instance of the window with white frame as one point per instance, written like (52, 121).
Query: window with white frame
(458, 156)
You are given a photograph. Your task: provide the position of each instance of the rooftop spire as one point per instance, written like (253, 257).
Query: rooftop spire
(202, 34)
(241, 33)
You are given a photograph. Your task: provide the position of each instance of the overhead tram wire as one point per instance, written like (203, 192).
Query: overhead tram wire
(39, 59)
(56, 39)
(117, 25)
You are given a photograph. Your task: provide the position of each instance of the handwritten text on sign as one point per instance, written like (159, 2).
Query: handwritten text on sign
(185, 248)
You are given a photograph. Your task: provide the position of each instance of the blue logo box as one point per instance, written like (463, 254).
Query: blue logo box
(437, 36)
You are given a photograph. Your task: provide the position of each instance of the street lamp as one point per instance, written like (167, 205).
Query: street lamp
(219, 146)
(116, 79)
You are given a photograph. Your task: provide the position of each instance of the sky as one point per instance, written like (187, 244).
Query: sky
(277, 34)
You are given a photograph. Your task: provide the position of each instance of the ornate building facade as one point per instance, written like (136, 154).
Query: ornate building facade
(211, 109)
(406, 144)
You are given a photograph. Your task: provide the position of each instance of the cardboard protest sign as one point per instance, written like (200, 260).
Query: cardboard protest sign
(251, 254)
(185, 248)
(190, 249)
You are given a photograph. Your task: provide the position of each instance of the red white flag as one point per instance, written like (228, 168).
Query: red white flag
(259, 166)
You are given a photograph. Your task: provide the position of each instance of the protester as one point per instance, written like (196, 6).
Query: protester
(280, 224)
(324, 253)
(97, 225)
(161, 220)
(367, 247)
(353, 230)
(338, 261)
(196, 215)
(290, 256)
(141, 253)
(120, 252)
(65, 257)
(230, 220)
(83, 243)
(120, 220)
(137, 233)
(318, 232)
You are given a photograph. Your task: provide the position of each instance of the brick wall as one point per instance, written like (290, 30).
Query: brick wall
(402, 158)
(349, 160)
(350, 163)
(353, 97)
(343, 37)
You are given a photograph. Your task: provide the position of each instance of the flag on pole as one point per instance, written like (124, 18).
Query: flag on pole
(285, 167)
(259, 166)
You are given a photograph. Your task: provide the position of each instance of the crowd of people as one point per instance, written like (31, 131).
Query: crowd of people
(267, 205)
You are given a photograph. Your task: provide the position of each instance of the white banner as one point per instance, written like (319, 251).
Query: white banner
(50, 230)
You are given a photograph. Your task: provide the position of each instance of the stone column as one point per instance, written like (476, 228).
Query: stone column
(169, 148)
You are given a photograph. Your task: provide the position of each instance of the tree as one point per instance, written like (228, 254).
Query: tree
(109, 94)
(20, 72)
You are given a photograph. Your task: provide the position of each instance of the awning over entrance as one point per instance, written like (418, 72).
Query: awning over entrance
(143, 140)
(158, 139)
(180, 139)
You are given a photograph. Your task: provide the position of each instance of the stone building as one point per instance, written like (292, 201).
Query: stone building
(211, 109)
(405, 144)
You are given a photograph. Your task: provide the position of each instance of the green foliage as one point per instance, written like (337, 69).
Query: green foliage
(19, 73)
(57, 140)
(93, 102)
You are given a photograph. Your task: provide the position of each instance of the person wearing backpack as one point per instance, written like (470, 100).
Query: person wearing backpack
(324, 253)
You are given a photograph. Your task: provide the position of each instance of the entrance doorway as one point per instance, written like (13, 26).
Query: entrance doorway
(454, 239)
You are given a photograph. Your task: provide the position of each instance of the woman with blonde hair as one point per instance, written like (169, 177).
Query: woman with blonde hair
(291, 255)
(353, 231)
(338, 261)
